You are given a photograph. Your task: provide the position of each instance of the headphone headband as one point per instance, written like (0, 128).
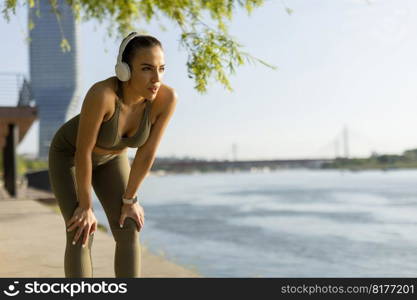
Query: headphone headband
(124, 43)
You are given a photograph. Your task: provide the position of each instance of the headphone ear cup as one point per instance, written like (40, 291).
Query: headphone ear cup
(122, 71)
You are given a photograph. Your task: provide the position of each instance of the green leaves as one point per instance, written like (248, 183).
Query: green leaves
(212, 52)
(289, 10)
(209, 54)
(9, 5)
(65, 46)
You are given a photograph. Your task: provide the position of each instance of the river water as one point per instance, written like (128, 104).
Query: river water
(286, 223)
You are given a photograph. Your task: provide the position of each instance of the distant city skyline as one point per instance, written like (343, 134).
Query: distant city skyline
(340, 63)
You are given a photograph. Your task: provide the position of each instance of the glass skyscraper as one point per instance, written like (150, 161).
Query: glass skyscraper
(54, 74)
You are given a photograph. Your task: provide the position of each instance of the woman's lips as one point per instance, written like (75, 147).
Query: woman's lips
(153, 90)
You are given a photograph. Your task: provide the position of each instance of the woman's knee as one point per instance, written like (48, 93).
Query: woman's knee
(70, 235)
(128, 233)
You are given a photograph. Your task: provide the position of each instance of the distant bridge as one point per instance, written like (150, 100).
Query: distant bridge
(226, 165)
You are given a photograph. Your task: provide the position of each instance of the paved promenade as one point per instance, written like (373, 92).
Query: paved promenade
(32, 242)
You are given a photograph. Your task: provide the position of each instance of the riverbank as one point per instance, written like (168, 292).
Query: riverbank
(33, 242)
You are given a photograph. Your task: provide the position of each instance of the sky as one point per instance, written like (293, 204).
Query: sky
(340, 64)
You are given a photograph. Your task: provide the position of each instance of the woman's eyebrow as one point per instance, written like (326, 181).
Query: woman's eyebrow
(145, 64)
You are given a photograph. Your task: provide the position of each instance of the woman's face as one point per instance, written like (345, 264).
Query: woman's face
(148, 66)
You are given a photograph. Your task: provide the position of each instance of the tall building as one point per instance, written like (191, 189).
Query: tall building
(54, 74)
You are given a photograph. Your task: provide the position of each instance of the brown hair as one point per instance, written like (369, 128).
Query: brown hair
(137, 43)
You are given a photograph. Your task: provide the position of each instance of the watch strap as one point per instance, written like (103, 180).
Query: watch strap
(131, 200)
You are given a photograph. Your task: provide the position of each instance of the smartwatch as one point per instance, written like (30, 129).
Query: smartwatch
(131, 200)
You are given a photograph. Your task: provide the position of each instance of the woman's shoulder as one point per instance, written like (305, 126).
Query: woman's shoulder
(167, 93)
(102, 93)
(166, 97)
(106, 87)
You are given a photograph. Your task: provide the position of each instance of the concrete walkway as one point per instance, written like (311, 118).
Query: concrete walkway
(32, 243)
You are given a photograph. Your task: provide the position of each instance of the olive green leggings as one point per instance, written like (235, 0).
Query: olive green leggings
(109, 179)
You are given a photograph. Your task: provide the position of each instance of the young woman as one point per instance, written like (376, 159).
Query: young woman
(90, 150)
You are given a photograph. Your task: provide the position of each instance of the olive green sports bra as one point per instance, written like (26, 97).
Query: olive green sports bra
(108, 136)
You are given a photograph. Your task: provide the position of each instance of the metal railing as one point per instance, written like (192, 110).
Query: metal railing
(15, 90)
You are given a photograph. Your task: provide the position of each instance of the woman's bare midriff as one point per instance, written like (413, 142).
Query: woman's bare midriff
(102, 151)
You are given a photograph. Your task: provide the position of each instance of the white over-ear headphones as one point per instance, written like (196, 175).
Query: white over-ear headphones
(122, 69)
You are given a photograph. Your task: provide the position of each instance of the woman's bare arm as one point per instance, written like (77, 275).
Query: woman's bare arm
(145, 155)
(92, 114)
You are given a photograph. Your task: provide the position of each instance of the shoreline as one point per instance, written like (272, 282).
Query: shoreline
(34, 222)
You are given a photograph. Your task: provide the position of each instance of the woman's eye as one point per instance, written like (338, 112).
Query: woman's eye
(149, 68)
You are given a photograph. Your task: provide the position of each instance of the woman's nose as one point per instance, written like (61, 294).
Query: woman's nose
(156, 76)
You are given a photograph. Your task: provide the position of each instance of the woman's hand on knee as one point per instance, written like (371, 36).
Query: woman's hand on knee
(86, 222)
(134, 211)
